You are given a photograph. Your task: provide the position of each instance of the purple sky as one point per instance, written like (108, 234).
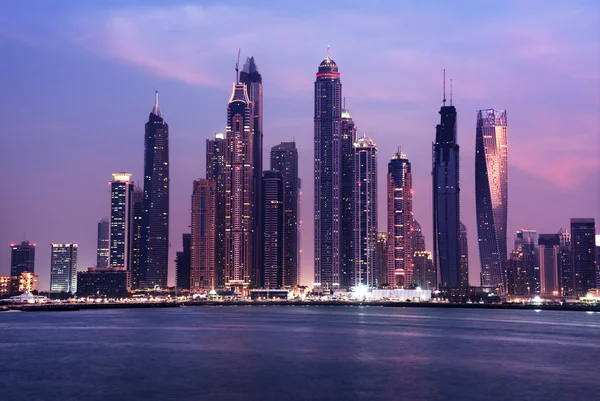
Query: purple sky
(78, 81)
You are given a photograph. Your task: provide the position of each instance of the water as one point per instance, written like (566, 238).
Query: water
(300, 353)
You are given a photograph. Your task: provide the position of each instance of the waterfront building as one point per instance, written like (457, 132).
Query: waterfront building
(327, 205)
(202, 271)
(5, 285)
(418, 239)
(284, 158)
(215, 171)
(183, 262)
(364, 212)
(137, 207)
(549, 245)
(26, 282)
(583, 233)
(103, 282)
(63, 268)
(239, 193)
(597, 260)
(424, 272)
(121, 221)
(22, 258)
(526, 243)
(400, 220)
(464, 256)
(566, 275)
(155, 215)
(518, 274)
(273, 232)
(491, 196)
(381, 251)
(347, 188)
(102, 249)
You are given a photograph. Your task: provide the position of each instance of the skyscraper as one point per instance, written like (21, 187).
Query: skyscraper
(491, 195)
(284, 158)
(464, 256)
(424, 274)
(364, 212)
(566, 275)
(215, 171)
(137, 207)
(328, 101)
(583, 232)
(381, 250)
(22, 258)
(239, 192)
(418, 240)
(183, 264)
(347, 182)
(273, 232)
(155, 215)
(548, 256)
(526, 243)
(103, 246)
(253, 81)
(446, 200)
(202, 270)
(400, 220)
(63, 268)
(121, 221)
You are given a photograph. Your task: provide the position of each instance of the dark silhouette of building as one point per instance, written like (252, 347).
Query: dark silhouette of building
(63, 268)
(566, 275)
(103, 244)
(22, 258)
(418, 240)
(183, 264)
(381, 260)
(464, 256)
(203, 235)
(328, 163)
(491, 196)
(155, 216)
(549, 245)
(273, 232)
(526, 243)
(137, 208)
(284, 158)
(103, 282)
(215, 171)
(583, 234)
(518, 274)
(347, 255)
(424, 273)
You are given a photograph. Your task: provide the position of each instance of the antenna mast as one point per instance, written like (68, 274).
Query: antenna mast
(237, 68)
(444, 79)
(450, 92)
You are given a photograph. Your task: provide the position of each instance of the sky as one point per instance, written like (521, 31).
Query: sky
(78, 78)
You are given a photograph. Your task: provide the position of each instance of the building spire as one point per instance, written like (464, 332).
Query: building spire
(156, 108)
(450, 91)
(328, 52)
(444, 85)
(237, 67)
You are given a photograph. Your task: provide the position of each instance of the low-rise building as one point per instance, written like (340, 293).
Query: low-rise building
(103, 281)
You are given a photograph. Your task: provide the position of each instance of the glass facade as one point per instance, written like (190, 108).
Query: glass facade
(63, 268)
(583, 232)
(215, 171)
(203, 235)
(273, 231)
(347, 182)
(22, 258)
(102, 245)
(121, 220)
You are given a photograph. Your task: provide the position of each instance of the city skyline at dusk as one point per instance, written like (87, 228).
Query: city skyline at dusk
(83, 78)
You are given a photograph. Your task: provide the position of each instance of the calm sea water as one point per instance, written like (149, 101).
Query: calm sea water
(300, 353)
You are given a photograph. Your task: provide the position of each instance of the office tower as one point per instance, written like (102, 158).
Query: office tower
(202, 271)
(526, 243)
(215, 171)
(518, 274)
(400, 220)
(239, 193)
(155, 215)
(566, 275)
(597, 255)
(424, 273)
(273, 240)
(22, 258)
(418, 240)
(284, 158)
(364, 212)
(63, 268)
(253, 81)
(463, 246)
(137, 207)
(381, 275)
(446, 199)
(183, 261)
(121, 221)
(103, 244)
(328, 101)
(103, 282)
(491, 195)
(548, 256)
(348, 138)
(583, 232)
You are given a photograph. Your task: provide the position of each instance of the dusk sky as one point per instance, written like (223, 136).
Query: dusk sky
(78, 81)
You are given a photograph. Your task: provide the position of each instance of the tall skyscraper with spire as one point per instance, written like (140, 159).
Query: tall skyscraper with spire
(365, 212)
(215, 171)
(253, 81)
(347, 182)
(239, 193)
(328, 114)
(446, 199)
(491, 195)
(155, 214)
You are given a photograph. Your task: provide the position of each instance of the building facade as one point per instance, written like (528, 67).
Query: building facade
(347, 183)
(327, 205)
(183, 261)
(22, 258)
(491, 196)
(273, 230)
(548, 245)
(203, 236)
(583, 233)
(137, 207)
(464, 256)
(103, 282)
(121, 221)
(63, 268)
(215, 171)
(102, 247)
(381, 263)
(566, 275)
(526, 242)
(424, 272)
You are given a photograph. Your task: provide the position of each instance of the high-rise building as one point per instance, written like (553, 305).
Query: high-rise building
(137, 207)
(566, 275)
(446, 200)
(464, 256)
(203, 235)
(215, 171)
(364, 212)
(284, 158)
(491, 195)
(328, 115)
(583, 233)
(347, 182)
(121, 221)
(597, 260)
(381, 250)
(273, 232)
(418, 239)
(253, 81)
(183, 261)
(400, 220)
(548, 255)
(526, 243)
(424, 273)
(239, 192)
(63, 268)
(22, 258)
(155, 215)
(518, 274)
(103, 244)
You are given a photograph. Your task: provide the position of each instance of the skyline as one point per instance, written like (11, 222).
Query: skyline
(69, 104)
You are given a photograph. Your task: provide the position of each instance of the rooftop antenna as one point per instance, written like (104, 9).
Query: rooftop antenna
(450, 92)
(237, 68)
(328, 51)
(344, 105)
(444, 79)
